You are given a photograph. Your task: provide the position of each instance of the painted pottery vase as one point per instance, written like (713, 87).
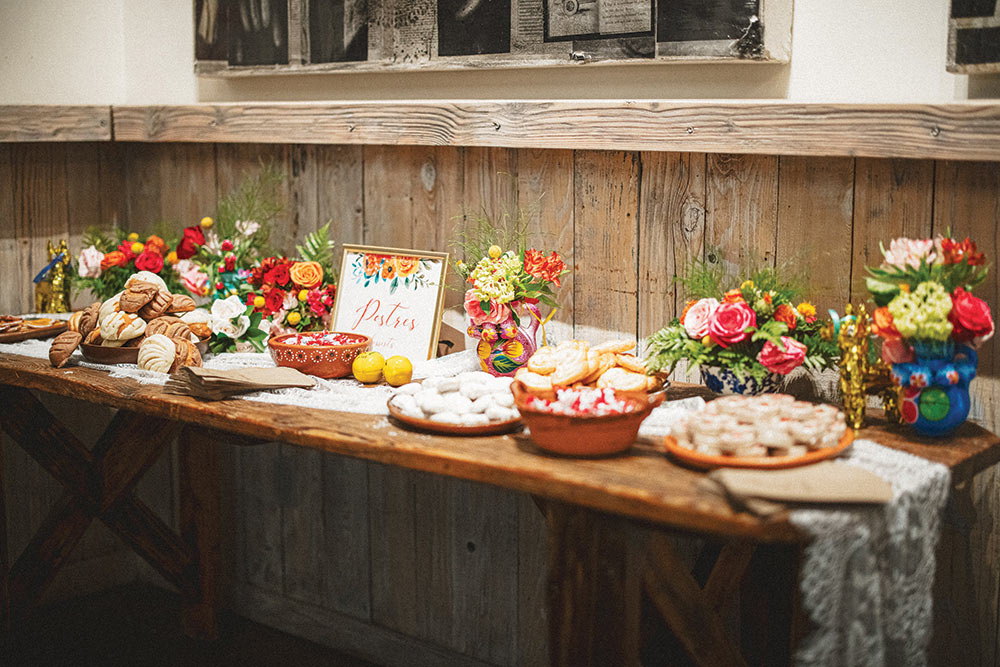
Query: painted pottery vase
(724, 381)
(934, 388)
(503, 348)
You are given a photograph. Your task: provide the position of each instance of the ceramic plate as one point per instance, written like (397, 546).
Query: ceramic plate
(33, 332)
(493, 428)
(707, 461)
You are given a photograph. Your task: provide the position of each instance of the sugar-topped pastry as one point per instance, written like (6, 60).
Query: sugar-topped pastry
(758, 426)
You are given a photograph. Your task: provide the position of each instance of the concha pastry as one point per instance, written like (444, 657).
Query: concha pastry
(63, 346)
(186, 354)
(88, 320)
(137, 295)
(160, 324)
(108, 307)
(181, 303)
(157, 353)
(122, 326)
(149, 277)
(73, 323)
(157, 306)
(197, 320)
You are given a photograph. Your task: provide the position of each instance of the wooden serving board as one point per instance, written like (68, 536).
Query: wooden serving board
(708, 462)
(41, 332)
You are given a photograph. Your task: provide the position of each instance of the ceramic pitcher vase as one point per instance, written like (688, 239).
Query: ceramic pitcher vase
(934, 388)
(724, 381)
(503, 348)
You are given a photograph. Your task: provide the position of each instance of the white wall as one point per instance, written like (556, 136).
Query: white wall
(140, 52)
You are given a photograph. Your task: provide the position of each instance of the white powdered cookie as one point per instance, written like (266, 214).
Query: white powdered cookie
(411, 388)
(448, 384)
(407, 404)
(157, 353)
(456, 402)
(446, 418)
(473, 390)
(481, 403)
(431, 402)
(432, 383)
(473, 419)
(474, 376)
(504, 399)
(497, 413)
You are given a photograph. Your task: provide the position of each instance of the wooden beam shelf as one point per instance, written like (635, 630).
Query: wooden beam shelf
(954, 131)
(55, 123)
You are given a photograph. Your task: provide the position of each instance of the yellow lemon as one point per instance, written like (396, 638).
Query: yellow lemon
(293, 318)
(398, 371)
(494, 251)
(137, 247)
(303, 294)
(259, 301)
(367, 367)
(206, 222)
(133, 237)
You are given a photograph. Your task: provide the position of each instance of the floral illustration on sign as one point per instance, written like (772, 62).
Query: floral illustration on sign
(396, 270)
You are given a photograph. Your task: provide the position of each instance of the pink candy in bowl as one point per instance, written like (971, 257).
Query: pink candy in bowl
(325, 354)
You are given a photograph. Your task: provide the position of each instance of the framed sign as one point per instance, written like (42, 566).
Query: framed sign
(393, 295)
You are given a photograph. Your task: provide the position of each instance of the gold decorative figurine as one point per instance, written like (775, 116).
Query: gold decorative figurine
(859, 375)
(52, 284)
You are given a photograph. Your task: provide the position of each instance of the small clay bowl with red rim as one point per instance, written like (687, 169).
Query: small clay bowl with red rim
(585, 435)
(323, 361)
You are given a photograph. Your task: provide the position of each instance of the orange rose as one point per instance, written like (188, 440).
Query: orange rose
(734, 296)
(155, 244)
(785, 313)
(306, 274)
(406, 266)
(882, 324)
(372, 265)
(113, 258)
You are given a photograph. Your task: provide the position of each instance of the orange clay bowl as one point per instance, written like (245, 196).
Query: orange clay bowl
(323, 361)
(585, 435)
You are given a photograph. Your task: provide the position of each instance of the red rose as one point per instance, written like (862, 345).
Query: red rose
(779, 361)
(281, 274)
(149, 261)
(125, 248)
(274, 299)
(970, 318)
(192, 240)
(227, 245)
(785, 313)
(729, 323)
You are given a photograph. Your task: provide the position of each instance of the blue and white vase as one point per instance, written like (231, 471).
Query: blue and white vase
(934, 388)
(724, 381)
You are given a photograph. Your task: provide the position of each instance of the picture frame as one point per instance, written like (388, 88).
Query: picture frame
(394, 295)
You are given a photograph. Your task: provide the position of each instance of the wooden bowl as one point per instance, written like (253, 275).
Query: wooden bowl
(99, 354)
(324, 361)
(586, 435)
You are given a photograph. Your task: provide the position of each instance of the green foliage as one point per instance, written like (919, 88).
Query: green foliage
(318, 247)
(479, 231)
(258, 199)
(703, 279)
(884, 281)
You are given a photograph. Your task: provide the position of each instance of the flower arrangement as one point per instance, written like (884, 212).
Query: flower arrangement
(923, 293)
(110, 258)
(295, 294)
(235, 326)
(753, 330)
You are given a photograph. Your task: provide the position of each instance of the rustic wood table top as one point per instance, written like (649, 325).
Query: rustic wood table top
(644, 485)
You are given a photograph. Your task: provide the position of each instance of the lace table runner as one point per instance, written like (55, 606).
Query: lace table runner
(867, 574)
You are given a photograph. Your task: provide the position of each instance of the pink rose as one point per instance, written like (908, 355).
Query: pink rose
(783, 362)
(89, 264)
(730, 322)
(195, 281)
(896, 351)
(698, 316)
(498, 312)
(970, 318)
(905, 252)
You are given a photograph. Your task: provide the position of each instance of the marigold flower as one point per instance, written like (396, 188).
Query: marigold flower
(734, 296)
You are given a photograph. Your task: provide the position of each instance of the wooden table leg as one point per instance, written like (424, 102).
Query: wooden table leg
(4, 563)
(200, 526)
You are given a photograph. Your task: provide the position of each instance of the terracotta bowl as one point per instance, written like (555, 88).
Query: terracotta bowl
(324, 361)
(585, 436)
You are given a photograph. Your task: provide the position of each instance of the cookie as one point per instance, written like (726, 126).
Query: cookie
(159, 325)
(615, 346)
(201, 330)
(532, 380)
(178, 330)
(122, 326)
(600, 363)
(622, 380)
(109, 307)
(89, 318)
(63, 346)
(630, 362)
(187, 354)
(543, 361)
(73, 323)
(94, 337)
(157, 353)
(181, 303)
(9, 323)
(137, 295)
(157, 306)
(572, 363)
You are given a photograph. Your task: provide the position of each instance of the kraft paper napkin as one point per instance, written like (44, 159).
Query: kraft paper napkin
(764, 492)
(218, 384)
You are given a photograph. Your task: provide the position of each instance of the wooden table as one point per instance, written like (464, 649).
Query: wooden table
(608, 520)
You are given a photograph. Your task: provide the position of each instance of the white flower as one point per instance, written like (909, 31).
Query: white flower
(242, 324)
(212, 242)
(265, 326)
(222, 327)
(247, 227)
(290, 302)
(89, 264)
(227, 309)
(185, 265)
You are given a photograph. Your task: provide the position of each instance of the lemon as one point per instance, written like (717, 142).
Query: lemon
(398, 371)
(367, 367)
(206, 222)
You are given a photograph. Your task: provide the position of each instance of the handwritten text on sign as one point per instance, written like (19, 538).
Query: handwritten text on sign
(393, 298)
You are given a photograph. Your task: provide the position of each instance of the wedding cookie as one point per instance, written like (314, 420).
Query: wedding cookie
(157, 353)
(63, 346)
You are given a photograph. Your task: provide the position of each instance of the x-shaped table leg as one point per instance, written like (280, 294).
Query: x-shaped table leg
(99, 484)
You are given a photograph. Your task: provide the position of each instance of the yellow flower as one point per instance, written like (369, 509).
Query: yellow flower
(806, 309)
(293, 318)
(259, 301)
(746, 284)
(137, 247)
(303, 295)
(133, 237)
(707, 341)
(171, 257)
(495, 251)
(206, 222)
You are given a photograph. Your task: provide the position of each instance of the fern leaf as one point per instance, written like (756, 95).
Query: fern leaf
(318, 247)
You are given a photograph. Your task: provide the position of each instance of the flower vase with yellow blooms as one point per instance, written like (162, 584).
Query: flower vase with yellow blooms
(931, 326)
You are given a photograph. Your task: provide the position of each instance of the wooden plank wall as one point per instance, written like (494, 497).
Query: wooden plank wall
(437, 571)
